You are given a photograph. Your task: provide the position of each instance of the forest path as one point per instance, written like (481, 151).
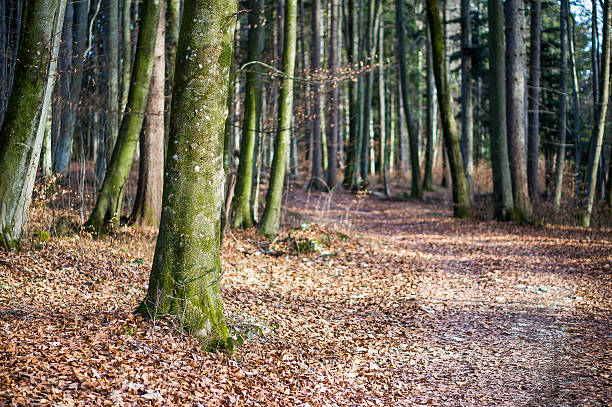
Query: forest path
(378, 303)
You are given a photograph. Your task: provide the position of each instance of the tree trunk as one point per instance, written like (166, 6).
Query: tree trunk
(467, 114)
(600, 118)
(353, 58)
(575, 106)
(186, 268)
(558, 187)
(502, 184)
(416, 186)
(111, 32)
(108, 206)
(173, 22)
(430, 119)
(25, 117)
(243, 210)
(533, 139)
(316, 180)
(333, 122)
(461, 196)
(147, 206)
(271, 216)
(127, 52)
(515, 105)
(382, 90)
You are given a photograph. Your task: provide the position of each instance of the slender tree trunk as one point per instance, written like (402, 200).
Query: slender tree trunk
(533, 139)
(173, 21)
(243, 210)
(416, 187)
(127, 52)
(271, 216)
(316, 181)
(147, 206)
(600, 118)
(430, 119)
(353, 58)
(382, 90)
(461, 196)
(186, 268)
(108, 206)
(111, 31)
(558, 187)
(575, 107)
(333, 102)
(25, 117)
(502, 184)
(515, 105)
(467, 113)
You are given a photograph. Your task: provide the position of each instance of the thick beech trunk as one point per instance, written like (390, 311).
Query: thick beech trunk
(271, 216)
(186, 270)
(25, 117)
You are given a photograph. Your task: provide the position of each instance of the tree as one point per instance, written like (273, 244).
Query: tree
(352, 162)
(147, 206)
(600, 117)
(333, 100)
(186, 270)
(430, 126)
(111, 35)
(558, 187)
(108, 206)
(416, 186)
(467, 113)
(271, 216)
(500, 165)
(25, 117)
(533, 136)
(461, 197)
(316, 178)
(515, 105)
(243, 210)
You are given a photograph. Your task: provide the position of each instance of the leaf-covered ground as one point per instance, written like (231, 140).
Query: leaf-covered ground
(377, 303)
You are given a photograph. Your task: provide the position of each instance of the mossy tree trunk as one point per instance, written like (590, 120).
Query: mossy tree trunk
(416, 186)
(186, 270)
(461, 196)
(23, 127)
(243, 209)
(107, 211)
(515, 107)
(147, 206)
(502, 184)
(600, 117)
(271, 216)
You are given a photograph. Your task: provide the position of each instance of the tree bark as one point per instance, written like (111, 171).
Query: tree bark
(430, 118)
(461, 196)
(316, 178)
(416, 186)
(111, 32)
(107, 211)
(333, 122)
(600, 118)
(500, 165)
(558, 187)
(467, 113)
(186, 270)
(243, 210)
(271, 216)
(147, 206)
(533, 138)
(515, 105)
(127, 52)
(353, 58)
(25, 117)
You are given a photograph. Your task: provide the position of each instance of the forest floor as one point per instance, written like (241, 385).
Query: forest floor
(376, 302)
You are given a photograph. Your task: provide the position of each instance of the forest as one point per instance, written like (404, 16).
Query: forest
(305, 203)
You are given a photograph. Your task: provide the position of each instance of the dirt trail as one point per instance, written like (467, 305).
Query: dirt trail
(390, 303)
